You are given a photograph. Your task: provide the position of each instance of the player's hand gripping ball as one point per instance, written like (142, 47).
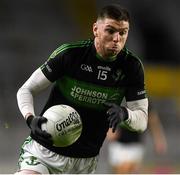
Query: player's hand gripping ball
(64, 124)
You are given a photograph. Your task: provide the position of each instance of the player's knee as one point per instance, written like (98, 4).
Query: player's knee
(26, 172)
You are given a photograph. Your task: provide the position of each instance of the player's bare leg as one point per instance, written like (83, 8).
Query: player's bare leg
(26, 172)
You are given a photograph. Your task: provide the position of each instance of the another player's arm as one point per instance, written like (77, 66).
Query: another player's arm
(113, 136)
(157, 132)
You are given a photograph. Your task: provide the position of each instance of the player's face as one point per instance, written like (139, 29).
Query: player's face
(110, 36)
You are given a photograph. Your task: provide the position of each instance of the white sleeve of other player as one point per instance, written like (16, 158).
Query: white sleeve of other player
(36, 83)
(138, 115)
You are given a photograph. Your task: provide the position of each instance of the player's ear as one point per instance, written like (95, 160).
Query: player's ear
(95, 29)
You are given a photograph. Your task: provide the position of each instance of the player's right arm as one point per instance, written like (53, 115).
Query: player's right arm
(43, 77)
(36, 83)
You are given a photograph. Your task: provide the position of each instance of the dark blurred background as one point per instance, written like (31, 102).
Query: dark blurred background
(31, 29)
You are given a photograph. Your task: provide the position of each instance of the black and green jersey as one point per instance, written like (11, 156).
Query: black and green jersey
(84, 81)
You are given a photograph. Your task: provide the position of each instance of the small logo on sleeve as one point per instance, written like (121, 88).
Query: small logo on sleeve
(141, 92)
(47, 67)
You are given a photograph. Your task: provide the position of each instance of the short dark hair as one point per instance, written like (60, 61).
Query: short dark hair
(114, 11)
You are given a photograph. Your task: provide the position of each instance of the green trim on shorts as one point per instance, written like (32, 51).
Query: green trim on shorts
(27, 140)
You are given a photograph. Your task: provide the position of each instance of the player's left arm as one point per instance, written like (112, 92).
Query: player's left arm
(137, 115)
(134, 115)
(136, 98)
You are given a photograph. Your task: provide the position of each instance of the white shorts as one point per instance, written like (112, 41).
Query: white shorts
(121, 152)
(35, 157)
